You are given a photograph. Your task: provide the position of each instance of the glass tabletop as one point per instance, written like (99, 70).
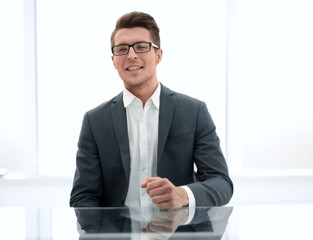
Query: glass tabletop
(238, 222)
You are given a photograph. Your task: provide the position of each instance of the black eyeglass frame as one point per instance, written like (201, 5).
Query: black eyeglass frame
(132, 45)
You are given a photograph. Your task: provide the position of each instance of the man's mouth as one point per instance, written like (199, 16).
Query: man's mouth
(133, 68)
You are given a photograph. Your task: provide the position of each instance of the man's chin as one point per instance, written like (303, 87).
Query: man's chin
(133, 83)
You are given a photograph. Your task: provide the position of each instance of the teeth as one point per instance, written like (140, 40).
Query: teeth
(133, 68)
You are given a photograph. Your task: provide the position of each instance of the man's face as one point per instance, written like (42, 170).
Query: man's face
(136, 69)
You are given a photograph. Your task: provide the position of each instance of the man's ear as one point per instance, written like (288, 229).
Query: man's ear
(158, 56)
(113, 61)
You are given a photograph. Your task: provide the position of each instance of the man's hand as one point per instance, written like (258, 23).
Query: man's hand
(164, 194)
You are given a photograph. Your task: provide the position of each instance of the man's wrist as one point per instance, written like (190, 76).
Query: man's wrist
(184, 196)
(191, 204)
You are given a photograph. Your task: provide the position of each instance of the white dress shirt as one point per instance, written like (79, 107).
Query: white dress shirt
(143, 126)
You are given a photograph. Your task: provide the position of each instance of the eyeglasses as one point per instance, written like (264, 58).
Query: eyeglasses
(139, 47)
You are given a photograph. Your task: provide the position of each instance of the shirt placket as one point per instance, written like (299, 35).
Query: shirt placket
(143, 152)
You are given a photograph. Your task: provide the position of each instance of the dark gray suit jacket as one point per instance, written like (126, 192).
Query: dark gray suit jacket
(186, 136)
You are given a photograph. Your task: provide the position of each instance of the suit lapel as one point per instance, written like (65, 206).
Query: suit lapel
(120, 127)
(167, 103)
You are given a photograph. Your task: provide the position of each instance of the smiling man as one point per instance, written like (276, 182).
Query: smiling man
(139, 148)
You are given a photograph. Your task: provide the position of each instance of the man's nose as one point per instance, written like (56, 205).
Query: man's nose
(131, 53)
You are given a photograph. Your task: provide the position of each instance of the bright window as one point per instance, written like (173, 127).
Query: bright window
(11, 85)
(270, 85)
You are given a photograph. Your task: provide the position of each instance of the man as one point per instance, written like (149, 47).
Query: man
(139, 148)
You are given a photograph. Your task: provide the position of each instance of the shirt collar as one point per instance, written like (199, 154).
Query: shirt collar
(128, 97)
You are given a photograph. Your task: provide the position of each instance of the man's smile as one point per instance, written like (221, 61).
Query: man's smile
(133, 68)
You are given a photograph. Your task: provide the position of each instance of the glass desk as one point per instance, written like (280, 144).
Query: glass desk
(238, 222)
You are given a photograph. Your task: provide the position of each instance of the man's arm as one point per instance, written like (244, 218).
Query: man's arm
(88, 180)
(213, 186)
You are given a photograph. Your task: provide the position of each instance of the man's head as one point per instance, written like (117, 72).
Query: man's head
(136, 52)
(138, 19)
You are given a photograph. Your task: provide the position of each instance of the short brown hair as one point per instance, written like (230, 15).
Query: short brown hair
(138, 19)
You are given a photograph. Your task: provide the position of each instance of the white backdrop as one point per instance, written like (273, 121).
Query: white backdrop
(254, 73)
(75, 70)
(270, 87)
(11, 85)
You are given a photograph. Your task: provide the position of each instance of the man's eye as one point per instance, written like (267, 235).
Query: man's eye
(142, 47)
(121, 49)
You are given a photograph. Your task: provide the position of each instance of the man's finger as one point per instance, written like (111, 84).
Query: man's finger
(161, 199)
(148, 180)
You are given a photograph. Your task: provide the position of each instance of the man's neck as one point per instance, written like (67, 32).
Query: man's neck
(143, 92)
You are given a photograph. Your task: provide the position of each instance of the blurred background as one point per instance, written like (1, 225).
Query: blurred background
(251, 61)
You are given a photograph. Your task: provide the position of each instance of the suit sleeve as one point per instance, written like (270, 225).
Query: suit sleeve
(213, 187)
(88, 180)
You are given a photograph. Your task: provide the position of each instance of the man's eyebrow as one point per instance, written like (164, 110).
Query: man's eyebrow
(123, 43)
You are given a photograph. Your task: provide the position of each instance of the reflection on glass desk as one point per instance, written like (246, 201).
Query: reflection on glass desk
(151, 223)
(239, 222)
